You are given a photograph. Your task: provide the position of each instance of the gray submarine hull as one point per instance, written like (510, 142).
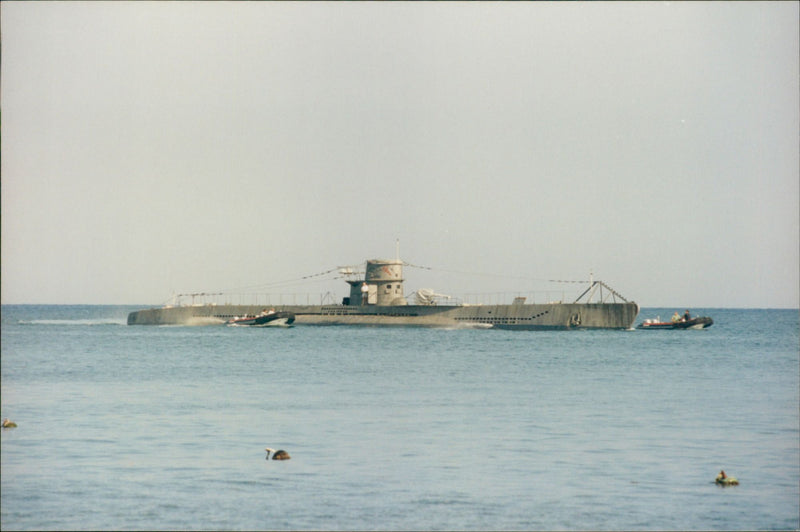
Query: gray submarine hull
(551, 316)
(377, 299)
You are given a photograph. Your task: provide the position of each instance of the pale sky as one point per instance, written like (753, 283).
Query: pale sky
(152, 148)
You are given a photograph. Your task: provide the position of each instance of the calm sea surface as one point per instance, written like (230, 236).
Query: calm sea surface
(165, 427)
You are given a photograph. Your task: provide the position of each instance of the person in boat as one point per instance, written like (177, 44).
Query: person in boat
(686, 315)
(676, 317)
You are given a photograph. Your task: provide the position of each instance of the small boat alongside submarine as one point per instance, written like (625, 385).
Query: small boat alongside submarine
(687, 322)
(267, 318)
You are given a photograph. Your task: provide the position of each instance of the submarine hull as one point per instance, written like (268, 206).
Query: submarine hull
(551, 316)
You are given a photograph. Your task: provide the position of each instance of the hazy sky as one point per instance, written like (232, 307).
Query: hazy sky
(151, 148)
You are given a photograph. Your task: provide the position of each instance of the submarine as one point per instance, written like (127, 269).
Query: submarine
(377, 299)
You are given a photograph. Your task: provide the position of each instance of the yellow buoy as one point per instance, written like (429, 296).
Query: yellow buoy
(724, 480)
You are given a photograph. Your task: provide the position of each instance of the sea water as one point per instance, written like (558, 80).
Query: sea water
(398, 428)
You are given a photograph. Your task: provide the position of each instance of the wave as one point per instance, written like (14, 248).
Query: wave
(82, 322)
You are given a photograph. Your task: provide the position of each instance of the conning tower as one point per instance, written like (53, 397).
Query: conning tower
(382, 284)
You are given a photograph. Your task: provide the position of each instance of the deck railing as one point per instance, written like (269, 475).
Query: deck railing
(328, 298)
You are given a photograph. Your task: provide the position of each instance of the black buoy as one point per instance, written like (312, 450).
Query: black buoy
(280, 454)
